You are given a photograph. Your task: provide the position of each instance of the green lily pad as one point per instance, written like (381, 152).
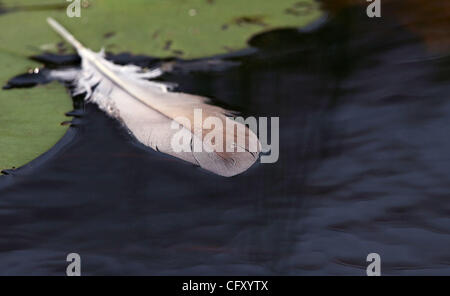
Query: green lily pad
(30, 118)
(188, 28)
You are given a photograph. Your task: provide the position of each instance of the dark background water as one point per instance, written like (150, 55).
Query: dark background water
(364, 167)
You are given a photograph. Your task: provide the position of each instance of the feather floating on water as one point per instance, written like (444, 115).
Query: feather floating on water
(149, 110)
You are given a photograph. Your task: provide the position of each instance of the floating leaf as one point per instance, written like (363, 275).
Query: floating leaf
(30, 119)
(191, 28)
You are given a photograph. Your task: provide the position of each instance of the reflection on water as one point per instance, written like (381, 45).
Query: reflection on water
(428, 18)
(364, 167)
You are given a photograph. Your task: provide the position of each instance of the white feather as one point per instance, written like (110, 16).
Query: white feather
(148, 109)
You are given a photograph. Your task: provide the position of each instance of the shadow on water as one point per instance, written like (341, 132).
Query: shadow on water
(363, 167)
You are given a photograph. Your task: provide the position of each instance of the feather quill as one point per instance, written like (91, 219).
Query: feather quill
(148, 109)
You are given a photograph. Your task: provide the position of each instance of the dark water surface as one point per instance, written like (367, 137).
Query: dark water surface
(364, 167)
